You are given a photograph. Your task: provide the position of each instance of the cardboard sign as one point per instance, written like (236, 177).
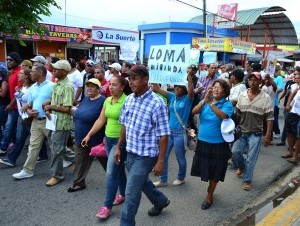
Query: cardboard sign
(168, 64)
(271, 65)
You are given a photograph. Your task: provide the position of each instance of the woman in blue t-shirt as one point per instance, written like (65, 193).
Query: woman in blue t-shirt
(182, 100)
(212, 152)
(84, 119)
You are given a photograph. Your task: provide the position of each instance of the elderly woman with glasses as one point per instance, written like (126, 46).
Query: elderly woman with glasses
(212, 152)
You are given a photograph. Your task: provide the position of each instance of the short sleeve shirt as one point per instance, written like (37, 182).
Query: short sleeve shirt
(112, 113)
(210, 123)
(279, 82)
(145, 118)
(183, 108)
(63, 95)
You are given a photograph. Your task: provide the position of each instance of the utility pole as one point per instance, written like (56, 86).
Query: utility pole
(204, 19)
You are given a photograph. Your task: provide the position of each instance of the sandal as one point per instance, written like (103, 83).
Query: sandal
(286, 156)
(72, 189)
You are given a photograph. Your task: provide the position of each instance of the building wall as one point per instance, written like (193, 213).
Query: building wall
(182, 38)
(153, 39)
(51, 49)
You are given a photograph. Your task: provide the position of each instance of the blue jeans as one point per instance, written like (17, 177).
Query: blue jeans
(253, 142)
(115, 174)
(138, 181)
(283, 134)
(23, 130)
(276, 129)
(175, 140)
(10, 129)
(3, 118)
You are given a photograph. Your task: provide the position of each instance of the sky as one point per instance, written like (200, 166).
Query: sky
(128, 14)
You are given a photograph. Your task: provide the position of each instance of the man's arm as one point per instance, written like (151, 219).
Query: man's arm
(159, 166)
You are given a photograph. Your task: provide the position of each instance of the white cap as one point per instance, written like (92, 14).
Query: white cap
(227, 129)
(116, 66)
(39, 58)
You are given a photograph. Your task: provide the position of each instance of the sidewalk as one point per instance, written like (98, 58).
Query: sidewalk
(287, 213)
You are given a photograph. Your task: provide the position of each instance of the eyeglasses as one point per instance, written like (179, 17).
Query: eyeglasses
(9, 59)
(89, 65)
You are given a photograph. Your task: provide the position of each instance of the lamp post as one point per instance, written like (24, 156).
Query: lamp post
(204, 19)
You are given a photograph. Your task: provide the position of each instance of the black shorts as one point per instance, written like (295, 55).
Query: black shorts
(292, 124)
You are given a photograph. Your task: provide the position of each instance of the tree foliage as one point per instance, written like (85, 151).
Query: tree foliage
(15, 14)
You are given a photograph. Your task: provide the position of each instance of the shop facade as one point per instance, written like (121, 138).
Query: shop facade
(67, 42)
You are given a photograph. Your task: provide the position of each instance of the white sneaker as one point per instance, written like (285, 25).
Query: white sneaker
(178, 182)
(160, 184)
(66, 163)
(22, 175)
(277, 136)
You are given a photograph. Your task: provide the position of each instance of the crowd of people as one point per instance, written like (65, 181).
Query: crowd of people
(141, 123)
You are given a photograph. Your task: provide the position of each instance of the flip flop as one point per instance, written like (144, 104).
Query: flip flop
(292, 160)
(71, 189)
(286, 156)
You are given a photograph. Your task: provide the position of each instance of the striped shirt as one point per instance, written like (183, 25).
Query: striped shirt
(63, 95)
(205, 82)
(254, 112)
(146, 119)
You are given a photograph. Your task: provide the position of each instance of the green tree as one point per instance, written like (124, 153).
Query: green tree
(15, 14)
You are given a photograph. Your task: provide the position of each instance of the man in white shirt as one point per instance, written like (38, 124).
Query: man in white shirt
(40, 60)
(77, 79)
(114, 69)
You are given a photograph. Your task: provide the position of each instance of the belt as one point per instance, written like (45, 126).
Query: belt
(43, 118)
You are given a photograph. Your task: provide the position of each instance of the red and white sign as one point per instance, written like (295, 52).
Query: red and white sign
(227, 14)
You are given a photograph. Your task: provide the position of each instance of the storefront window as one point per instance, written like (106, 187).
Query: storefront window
(26, 52)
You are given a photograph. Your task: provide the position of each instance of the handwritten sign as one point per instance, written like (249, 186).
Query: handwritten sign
(168, 64)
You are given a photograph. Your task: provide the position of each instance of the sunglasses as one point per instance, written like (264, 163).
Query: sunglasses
(9, 59)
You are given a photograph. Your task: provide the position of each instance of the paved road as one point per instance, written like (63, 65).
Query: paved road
(30, 202)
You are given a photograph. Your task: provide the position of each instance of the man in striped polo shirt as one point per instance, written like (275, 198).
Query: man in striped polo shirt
(253, 107)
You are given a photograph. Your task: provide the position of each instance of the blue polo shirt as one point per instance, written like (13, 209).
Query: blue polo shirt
(183, 108)
(210, 123)
(280, 85)
(38, 94)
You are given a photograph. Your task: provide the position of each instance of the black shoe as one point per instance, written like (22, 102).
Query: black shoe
(280, 144)
(206, 205)
(71, 189)
(155, 212)
(39, 160)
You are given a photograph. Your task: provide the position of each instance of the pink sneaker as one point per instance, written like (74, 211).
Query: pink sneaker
(103, 213)
(118, 200)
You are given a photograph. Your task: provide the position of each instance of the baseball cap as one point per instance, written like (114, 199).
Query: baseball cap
(116, 66)
(39, 58)
(202, 64)
(27, 63)
(90, 63)
(62, 64)
(193, 67)
(94, 81)
(137, 70)
(256, 74)
(227, 129)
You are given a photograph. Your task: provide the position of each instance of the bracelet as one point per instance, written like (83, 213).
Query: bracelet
(211, 104)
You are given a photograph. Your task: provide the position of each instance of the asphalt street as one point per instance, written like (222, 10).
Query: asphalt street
(30, 202)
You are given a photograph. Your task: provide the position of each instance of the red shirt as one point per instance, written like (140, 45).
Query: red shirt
(13, 83)
(104, 89)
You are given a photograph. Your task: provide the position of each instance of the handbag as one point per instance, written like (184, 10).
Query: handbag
(99, 150)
